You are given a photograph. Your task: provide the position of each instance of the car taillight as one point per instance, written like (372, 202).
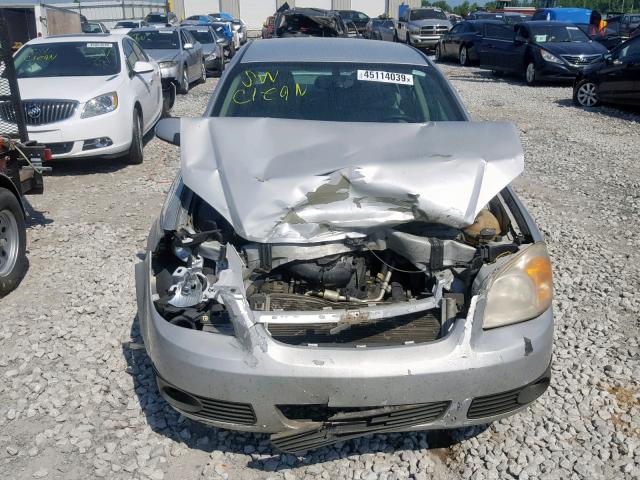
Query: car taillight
(47, 154)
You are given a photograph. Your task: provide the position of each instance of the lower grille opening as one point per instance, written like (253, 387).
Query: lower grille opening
(415, 328)
(504, 402)
(329, 425)
(206, 408)
(60, 148)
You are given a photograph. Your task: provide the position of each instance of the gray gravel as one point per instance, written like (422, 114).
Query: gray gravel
(77, 397)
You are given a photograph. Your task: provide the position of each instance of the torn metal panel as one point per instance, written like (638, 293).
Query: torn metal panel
(280, 180)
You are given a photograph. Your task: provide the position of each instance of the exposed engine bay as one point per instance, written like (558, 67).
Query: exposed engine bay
(399, 285)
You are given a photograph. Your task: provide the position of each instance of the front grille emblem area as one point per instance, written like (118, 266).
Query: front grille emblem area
(34, 111)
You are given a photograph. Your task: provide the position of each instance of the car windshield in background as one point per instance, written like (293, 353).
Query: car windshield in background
(157, 39)
(126, 25)
(427, 15)
(68, 59)
(557, 34)
(202, 35)
(156, 18)
(341, 92)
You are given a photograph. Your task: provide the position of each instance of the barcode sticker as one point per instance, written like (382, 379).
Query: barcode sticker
(98, 45)
(385, 77)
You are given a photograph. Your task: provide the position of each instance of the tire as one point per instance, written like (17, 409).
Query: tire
(531, 74)
(585, 94)
(136, 155)
(463, 56)
(232, 49)
(438, 53)
(13, 242)
(407, 40)
(184, 83)
(220, 68)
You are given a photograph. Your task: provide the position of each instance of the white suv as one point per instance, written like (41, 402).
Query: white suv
(88, 95)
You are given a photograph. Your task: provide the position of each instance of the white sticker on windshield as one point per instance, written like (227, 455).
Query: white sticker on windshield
(572, 28)
(385, 77)
(541, 38)
(98, 45)
(165, 31)
(202, 30)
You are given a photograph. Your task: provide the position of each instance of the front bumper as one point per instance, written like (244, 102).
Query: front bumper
(246, 389)
(212, 64)
(172, 74)
(558, 72)
(424, 40)
(67, 138)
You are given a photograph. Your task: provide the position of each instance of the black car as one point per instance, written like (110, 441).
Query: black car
(462, 40)
(538, 50)
(359, 19)
(615, 78)
(309, 22)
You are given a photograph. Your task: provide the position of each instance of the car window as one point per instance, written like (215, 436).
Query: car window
(343, 92)
(203, 35)
(361, 16)
(130, 56)
(156, 18)
(427, 14)
(157, 39)
(389, 23)
(68, 59)
(142, 56)
(630, 50)
(557, 34)
(457, 28)
(126, 25)
(500, 32)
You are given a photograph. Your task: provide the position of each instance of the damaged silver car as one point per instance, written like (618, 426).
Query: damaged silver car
(341, 253)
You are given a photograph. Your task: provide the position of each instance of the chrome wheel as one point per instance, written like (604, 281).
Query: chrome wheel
(9, 242)
(587, 95)
(530, 74)
(463, 56)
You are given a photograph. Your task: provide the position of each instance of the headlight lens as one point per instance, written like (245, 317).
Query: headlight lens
(212, 56)
(167, 64)
(548, 57)
(520, 290)
(100, 105)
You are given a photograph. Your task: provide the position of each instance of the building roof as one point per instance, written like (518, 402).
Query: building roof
(312, 49)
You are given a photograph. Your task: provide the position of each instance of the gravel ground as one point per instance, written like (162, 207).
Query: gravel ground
(77, 396)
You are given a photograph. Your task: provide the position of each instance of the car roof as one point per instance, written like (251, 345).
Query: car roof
(154, 29)
(331, 50)
(79, 37)
(548, 23)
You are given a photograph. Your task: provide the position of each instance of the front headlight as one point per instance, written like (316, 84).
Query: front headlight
(168, 64)
(100, 105)
(548, 57)
(520, 290)
(212, 56)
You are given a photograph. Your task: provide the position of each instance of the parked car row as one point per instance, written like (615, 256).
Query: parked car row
(549, 51)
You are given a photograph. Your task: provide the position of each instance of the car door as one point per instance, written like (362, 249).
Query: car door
(196, 52)
(620, 78)
(152, 108)
(188, 54)
(451, 40)
(486, 48)
(140, 84)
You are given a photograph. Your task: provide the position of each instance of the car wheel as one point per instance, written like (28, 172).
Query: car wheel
(395, 38)
(232, 49)
(585, 94)
(463, 58)
(13, 242)
(530, 74)
(184, 83)
(407, 40)
(220, 68)
(135, 156)
(438, 53)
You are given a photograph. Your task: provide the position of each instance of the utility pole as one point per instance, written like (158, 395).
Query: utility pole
(124, 14)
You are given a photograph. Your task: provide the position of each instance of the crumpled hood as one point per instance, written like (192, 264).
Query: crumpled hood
(279, 180)
(163, 55)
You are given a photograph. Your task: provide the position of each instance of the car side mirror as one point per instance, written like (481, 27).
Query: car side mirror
(168, 129)
(608, 57)
(142, 67)
(188, 46)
